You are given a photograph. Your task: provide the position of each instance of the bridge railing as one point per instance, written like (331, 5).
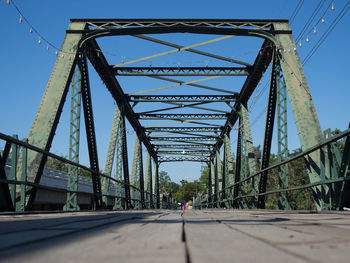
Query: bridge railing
(332, 188)
(53, 184)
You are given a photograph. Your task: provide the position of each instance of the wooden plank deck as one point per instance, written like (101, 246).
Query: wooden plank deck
(176, 236)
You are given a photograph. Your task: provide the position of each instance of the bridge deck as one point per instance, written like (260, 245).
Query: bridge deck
(173, 236)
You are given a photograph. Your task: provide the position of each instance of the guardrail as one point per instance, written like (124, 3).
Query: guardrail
(18, 187)
(332, 198)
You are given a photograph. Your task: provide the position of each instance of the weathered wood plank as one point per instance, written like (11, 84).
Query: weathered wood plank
(141, 237)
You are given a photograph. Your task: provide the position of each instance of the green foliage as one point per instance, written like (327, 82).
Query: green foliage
(56, 164)
(188, 190)
(166, 186)
(204, 179)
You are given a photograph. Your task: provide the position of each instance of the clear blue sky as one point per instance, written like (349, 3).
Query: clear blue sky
(25, 66)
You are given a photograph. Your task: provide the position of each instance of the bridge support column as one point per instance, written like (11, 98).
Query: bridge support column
(243, 204)
(135, 175)
(74, 143)
(148, 182)
(218, 178)
(308, 125)
(115, 139)
(228, 170)
(156, 179)
(282, 133)
(250, 153)
(127, 203)
(237, 187)
(270, 119)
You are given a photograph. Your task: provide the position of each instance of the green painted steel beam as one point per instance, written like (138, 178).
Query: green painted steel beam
(305, 116)
(182, 146)
(46, 119)
(250, 154)
(180, 71)
(206, 138)
(282, 140)
(74, 143)
(182, 159)
(183, 129)
(182, 98)
(182, 116)
(149, 182)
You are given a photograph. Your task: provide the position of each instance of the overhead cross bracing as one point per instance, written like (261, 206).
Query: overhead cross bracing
(180, 106)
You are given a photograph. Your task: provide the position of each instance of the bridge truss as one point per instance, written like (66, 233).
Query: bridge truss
(200, 124)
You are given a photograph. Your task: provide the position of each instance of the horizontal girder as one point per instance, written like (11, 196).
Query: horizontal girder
(257, 24)
(203, 153)
(180, 71)
(183, 159)
(183, 129)
(144, 116)
(183, 98)
(182, 146)
(206, 138)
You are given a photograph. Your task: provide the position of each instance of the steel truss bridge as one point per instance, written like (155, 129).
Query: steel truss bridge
(201, 123)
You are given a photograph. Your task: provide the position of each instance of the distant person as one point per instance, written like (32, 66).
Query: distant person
(186, 206)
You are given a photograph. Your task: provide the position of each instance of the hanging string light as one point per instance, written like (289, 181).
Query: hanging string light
(322, 20)
(31, 30)
(300, 45)
(8, 2)
(47, 47)
(20, 20)
(315, 30)
(333, 8)
(39, 41)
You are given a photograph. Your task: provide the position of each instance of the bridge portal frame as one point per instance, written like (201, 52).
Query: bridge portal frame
(80, 44)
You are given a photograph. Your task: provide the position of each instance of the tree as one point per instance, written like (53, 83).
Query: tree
(188, 190)
(166, 186)
(204, 179)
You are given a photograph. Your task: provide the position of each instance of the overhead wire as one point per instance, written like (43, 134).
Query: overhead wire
(341, 14)
(296, 11)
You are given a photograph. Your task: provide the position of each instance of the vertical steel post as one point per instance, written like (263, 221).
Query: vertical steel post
(20, 206)
(270, 119)
(250, 154)
(125, 164)
(237, 187)
(135, 180)
(148, 181)
(224, 172)
(154, 185)
(157, 184)
(228, 168)
(74, 142)
(142, 182)
(282, 139)
(119, 166)
(244, 168)
(5, 196)
(13, 171)
(218, 176)
(210, 186)
(90, 130)
(305, 116)
(110, 153)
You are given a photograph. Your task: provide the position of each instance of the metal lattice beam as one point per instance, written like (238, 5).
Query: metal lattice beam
(183, 159)
(180, 71)
(183, 129)
(182, 98)
(182, 116)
